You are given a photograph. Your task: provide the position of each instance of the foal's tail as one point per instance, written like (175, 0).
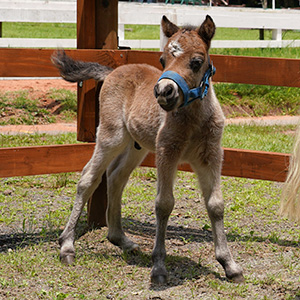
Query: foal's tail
(290, 198)
(76, 70)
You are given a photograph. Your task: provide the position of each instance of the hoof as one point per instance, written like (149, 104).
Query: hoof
(67, 259)
(125, 244)
(133, 248)
(159, 276)
(159, 280)
(236, 278)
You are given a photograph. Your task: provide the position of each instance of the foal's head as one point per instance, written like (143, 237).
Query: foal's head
(186, 54)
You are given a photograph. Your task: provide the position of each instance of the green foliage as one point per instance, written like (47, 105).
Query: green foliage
(254, 100)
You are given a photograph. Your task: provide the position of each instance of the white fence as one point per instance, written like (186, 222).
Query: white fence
(150, 14)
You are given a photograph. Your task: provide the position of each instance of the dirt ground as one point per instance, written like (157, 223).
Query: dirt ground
(36, 85)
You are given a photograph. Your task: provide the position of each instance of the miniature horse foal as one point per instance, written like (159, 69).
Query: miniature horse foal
(181, 122)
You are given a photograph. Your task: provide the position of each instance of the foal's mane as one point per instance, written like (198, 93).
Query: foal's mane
(188, 27)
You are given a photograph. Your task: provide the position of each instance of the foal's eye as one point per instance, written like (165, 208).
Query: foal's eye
(162, 61)
(195, 64)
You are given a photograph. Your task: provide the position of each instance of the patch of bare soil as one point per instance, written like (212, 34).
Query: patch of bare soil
(39, 86)
(37, 89)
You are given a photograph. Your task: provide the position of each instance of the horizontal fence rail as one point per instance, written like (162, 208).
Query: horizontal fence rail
(150, 14)
(234, 69)
(38, 160)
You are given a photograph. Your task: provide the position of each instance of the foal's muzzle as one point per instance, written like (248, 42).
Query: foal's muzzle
(179, 84)
(166, 93)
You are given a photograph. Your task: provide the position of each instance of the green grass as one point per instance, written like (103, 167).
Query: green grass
(20, 140)
(34, 209)
(255, 100)
(39, 30)
(54, 30)
(262, 138)
(153, 32)
(286, 52)
(251, 34)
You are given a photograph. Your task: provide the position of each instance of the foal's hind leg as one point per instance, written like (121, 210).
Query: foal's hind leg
(118, 174)
(89, 181)
(209, 177)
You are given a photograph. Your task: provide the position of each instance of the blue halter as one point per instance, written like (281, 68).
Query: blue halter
(191, 95)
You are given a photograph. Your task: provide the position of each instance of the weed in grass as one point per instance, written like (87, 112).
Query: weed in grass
(62, 180)
(68, 103)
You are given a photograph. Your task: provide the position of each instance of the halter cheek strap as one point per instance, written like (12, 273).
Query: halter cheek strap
(191, 95)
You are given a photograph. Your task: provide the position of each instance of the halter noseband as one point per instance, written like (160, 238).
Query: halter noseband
(191, 95)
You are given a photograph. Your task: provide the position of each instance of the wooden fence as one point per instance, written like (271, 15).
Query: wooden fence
(69, 158)
(22, 161)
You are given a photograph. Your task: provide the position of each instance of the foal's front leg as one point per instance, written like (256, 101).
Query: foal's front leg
(209, 178)
(164, 203)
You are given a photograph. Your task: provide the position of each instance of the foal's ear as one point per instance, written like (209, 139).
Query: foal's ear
(207, 30)
(168, 27)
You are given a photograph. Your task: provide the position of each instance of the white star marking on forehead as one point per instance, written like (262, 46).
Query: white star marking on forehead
(175, 48)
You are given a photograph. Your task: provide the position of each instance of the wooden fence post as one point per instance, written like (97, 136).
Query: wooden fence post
(97, 28)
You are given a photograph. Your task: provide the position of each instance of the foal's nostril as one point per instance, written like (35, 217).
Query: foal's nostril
(169, 91)
(156, 92)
